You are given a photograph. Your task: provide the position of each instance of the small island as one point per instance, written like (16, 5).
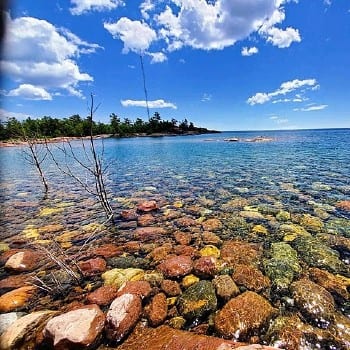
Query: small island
(56, 129)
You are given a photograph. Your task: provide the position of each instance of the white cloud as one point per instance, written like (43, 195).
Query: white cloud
(206, 97)
(274, 117)
(282, 121)
(311, 108)
(151, 104)
(39, 54)
(157, 57)
(283, 38)
(285, 88)
(137, 36)
(82, 6)
(249, 51)
(4, 114)
(30, 92)
(209, 25)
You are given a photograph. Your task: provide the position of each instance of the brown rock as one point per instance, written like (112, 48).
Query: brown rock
(243, 315)
(140, 288)
(239, 252)
(92, 266)
(122, 316)
(335, 284)
(26, 260)
(103, 295)
(147, 206)
(157, 310)
(183, 238)
(176, 266)
(13, 282)
(52, 228)
(250, 277)
(161, 253)
(185, 222)
(167, 338)
(212, 225)
(16, 299)
(206, 266)
(7, 254)
(225, 287)
(343, 205)
(146, 220)
(129, 214)
(132, 247)
(186, 250)
(145, 234)
(170, 288)
(108, 250)
(75, 329)
(211, 238)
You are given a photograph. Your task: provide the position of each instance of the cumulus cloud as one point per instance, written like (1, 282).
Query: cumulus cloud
(157, 57)
(4, 114)
(82, 6)
(206, 97)
(30, 92)
(151, 104)
(249, 51)
(137, 36)
(206, 25)
(285, 88)
(43, 56)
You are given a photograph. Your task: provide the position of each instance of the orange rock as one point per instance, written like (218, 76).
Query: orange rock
(147, 206)
(250, 277)
(16, 299)
(343, 205)
(157, 310)
(176, 266)
(212, 225)
(146, 220)
(149, 233)
(103, 295)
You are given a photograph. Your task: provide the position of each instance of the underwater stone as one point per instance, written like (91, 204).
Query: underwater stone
(176, 266)
(157, 310)
(197, 301)
(311, 223)
(16, 299)
(117, 277)
(225, 287)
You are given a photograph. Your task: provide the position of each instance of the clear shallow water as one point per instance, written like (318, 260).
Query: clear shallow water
(299, 172)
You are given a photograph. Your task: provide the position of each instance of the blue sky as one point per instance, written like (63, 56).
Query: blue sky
(223, 64)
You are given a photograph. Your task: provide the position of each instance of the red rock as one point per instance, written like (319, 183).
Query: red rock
(343, 205)
(211, 238)
(25, 260)
(129, 214)
(239, 252)
(250, 277)
(186, 250)
(205, 267)
(132, 247)
(176, 266)
(103, 295)
(242, 315)
(185, 222)
(6, 255)
(92, 266)
(13, 282)
(149, 233)
(16, 298)
(147, 206)
(183, 238)
(146, 220)
(140, 288)
(108, 250)
(170, 288)
(75, 329)
(122, 316)
(167, 338)
(157, 310)
(160, 253)
(212, 225)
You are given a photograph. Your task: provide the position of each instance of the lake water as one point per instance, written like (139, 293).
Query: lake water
(299, 174)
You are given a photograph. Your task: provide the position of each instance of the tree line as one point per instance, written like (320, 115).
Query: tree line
(76, 126)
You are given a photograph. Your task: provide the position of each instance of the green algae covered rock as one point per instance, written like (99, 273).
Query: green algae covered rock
(197, 301)
(317, 254)
(283, 266)
(338, 226)
(311, 223)
(117, 277)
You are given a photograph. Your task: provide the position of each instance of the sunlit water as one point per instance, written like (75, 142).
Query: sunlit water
(299, 172)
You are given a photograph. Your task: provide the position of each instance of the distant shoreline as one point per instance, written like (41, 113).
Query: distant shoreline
(18, 142)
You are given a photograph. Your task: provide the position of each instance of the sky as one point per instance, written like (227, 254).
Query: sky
(222, 64)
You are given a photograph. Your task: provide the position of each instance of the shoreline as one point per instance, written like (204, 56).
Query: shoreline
(18, 142)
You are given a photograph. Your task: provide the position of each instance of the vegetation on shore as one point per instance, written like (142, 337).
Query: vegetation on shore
(76, 126)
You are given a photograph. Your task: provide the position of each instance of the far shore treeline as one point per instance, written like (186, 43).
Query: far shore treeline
(76, 126)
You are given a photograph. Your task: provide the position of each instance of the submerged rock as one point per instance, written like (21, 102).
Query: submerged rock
(117, 277)
(140, 288)
(243, 315)
(206, 266)
(75, 329)
(157, 310)
(16, 299)
(176, 266)
(212, 225)
(314, 301)
(197, 301)
(122, 316)
(103, 295)
(167, 338)
(317, 254)
(27, 260)
(23, 330)
(250, 277)
(147, 206)
(225, 287)
(283, 266)
(310, 223)
(6, 320)
(239, 252)
(338, 226)
(343, 205)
